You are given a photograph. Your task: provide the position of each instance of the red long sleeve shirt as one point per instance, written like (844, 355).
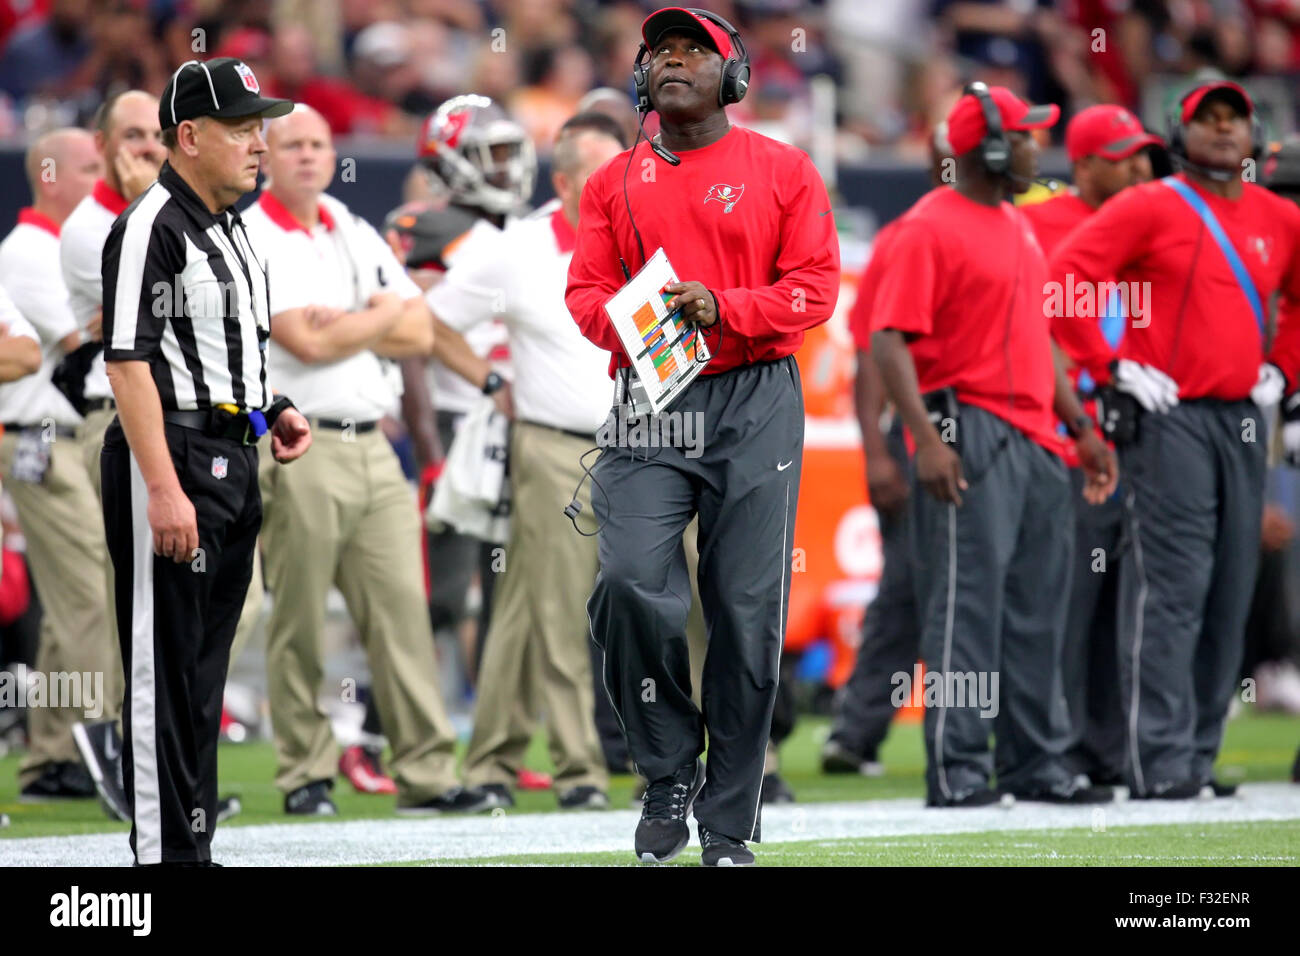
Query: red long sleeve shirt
(860, 314)
(746, 216)
(1198, 327)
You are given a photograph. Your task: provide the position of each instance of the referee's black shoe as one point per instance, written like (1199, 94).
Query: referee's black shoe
(722, 850)
(100, 747)
(662, 832)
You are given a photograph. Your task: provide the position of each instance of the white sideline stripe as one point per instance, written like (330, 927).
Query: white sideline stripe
(148, 805)
(527, 835)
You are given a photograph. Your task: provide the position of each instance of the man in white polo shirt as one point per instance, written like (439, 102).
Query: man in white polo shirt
(42, 467)
(340, 301)
(561, 395)
(129, 141)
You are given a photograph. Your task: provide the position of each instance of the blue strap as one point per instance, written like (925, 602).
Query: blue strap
(1202, 209)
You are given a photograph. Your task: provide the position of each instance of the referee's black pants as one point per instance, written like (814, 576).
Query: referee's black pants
(744, 484)
(176, 623)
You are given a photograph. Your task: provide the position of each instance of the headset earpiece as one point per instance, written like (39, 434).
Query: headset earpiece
(641, 79)
(995, 148)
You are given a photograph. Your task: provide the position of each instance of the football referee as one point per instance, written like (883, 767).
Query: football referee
(185, 331)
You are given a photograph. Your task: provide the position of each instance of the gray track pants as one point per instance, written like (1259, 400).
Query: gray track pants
(1089, 663)
(994, 578)
(890, 634)
(744, 485)
(1195, 480)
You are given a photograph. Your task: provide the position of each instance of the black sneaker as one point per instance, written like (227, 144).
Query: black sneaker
(584, 798)
(1069, 794)
(722, 850)
(1221, 789)
(455, 800)
(228, 808)
(59, 781)
(662, 832)
(311, 800)
(775, 790)
(100, 747)
(1170, 790)
(489, 796)
(979, 797)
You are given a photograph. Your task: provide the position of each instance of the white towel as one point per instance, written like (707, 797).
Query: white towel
(472, 495)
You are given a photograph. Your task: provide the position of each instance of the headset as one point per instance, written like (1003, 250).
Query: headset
(735, 69)
(1178, 142)
(994, 148)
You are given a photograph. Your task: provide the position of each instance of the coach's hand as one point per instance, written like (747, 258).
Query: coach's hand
(885, 483)
(134, 173)
(1101, 472)
(697, 302)
(938, 469)
(291, 436)
(174, 524)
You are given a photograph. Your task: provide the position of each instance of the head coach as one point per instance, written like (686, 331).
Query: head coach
(746, 221)
(185, 331)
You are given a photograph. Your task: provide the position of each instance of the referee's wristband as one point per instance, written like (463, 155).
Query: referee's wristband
(1080, 426)
(281, 403)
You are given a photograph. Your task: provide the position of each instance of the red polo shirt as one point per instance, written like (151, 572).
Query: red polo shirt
(1198, 327)
(965, 284)
(746, 216)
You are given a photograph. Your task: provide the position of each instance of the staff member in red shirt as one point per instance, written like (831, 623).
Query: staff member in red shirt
(1106, 145)
(962, 342)
(764, 267)
(1195, 467)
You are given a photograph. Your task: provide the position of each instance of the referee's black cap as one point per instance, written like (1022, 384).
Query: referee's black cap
(223, 87)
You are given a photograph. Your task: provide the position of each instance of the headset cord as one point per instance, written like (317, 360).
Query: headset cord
(574, 507)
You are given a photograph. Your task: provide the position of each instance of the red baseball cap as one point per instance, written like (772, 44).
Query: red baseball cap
(679, 18)
(1229, 91)
(1108, 131)
(966, 126)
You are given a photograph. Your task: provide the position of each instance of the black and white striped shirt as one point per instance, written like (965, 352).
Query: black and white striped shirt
(184, 291)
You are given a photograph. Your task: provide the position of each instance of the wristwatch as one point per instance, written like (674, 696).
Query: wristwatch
(1080, 426)
(492, 383)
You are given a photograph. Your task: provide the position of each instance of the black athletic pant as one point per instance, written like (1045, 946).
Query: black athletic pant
(1195, 479)
(176, 623)
(745, 486)
(891, 634)
(993, 577)
(1090, 661)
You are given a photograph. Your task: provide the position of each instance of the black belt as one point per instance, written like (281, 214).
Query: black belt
(219, 423)
(585, 436)
(60, 431)
(100, 404)
(342, 425)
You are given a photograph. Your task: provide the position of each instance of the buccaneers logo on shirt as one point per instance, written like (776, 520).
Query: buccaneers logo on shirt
(1262, 246)
(727, 195)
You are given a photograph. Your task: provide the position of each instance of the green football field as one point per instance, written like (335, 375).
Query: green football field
(838, 820)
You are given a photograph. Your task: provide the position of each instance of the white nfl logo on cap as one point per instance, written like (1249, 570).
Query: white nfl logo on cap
(250, 81)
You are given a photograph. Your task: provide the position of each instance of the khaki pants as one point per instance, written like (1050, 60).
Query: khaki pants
(539, 625)
(344, 515)
(64, 529)
(91, 439)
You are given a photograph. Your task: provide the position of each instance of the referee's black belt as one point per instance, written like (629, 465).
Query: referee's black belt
(100, 404)
(216, 422)
(60, 431)
(343, 425)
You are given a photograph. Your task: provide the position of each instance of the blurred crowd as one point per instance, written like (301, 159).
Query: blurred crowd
(375, 67)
